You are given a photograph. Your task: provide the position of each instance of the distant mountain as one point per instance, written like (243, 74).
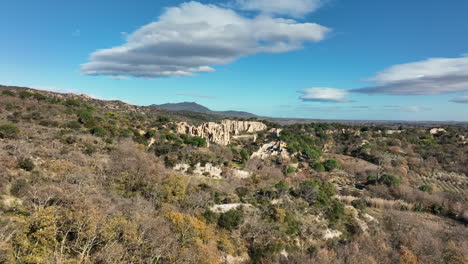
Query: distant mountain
(194, 107)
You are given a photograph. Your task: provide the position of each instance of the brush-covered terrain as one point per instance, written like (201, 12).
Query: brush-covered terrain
(90, 181)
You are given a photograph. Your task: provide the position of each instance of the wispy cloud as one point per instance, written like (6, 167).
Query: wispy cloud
(361, 108)
(294, 8)
(431, 76)
(194, 37)
(119, 77)
(319, 94)
(462, 99)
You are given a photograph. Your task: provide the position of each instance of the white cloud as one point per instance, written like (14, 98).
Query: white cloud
(462, 99)
(432, 76)
(194, 37)
(324, 95)
(294, 8)
(119, 77)
(58, 90)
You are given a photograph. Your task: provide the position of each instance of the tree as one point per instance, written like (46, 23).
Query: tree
(231, 220)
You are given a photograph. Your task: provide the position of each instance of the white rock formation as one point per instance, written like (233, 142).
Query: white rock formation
(220, 133)
(241, 174)
(275, 148)
(207, 171)
(437, 130)
(223, 208)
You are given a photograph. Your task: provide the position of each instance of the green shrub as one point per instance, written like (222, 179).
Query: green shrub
(18, 187)
(89, 149)
(244, 155)
(425, 188)
(360, 204)
(72, 102)
(316, 192)
(49, 123)
(84, 116)
(73, 125)
(331, 165)
(26, 164)
(290, 170)
(98, 131)
(170, 137)
(210, 216)
(231, 220)
(335, 212)
(319, 167)
(150, 133)
(9, 131)
(282, 187)
(195, 141)
(389, 180)
(39, 97)
(25, 94)
(9, 93)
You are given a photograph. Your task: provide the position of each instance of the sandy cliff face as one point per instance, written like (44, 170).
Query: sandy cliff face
(220, 133)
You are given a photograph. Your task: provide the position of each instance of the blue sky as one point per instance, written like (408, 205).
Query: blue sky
(335, 59)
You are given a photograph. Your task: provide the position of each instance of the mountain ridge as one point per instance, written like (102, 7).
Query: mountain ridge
(195, 107)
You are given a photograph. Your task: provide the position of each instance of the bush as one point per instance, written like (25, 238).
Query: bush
(331, 165)
(195, 141)
(9, 131)
(425, 188)
(9, 93)
(26, 164)
(18, 187)
(39, 97)
(244, 154)
(49, 123)
(290, 170)
(210, 216)
(231, 220)
(150, 133)
(25, 94)
(389, 180)
(72, 102)
(98, 131)
(73, 125)
(319, 167)
(282, 187)
(359, 204)
(84, 116)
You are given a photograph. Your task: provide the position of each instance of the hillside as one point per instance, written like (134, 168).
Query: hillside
(90, 181)
(194, 107)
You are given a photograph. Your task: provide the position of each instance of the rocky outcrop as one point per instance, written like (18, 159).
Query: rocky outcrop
(275, 148)
(220, 133)
(207, 171)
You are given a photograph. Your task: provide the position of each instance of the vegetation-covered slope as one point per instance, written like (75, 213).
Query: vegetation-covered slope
(89, 181)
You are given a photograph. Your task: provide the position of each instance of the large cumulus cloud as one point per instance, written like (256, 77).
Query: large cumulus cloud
(193, 37)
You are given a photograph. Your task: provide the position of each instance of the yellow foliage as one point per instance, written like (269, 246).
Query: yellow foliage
(407, 257)
(60, 166)
(174, 188)
(190, 229)
(37, 240)
(224, 244)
